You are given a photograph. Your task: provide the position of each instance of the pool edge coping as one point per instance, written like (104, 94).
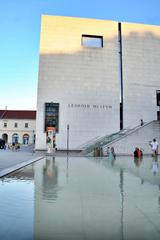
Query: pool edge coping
(14, 168)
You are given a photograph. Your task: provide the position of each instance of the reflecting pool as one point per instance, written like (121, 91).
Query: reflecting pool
(82, 198)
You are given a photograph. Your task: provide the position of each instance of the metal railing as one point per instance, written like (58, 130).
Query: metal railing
(88, 149)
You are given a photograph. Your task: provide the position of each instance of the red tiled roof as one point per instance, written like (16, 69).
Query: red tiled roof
(17, 114)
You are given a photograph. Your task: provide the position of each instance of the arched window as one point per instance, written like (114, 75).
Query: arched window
(15, 138)
(25, 139)
(5, 137)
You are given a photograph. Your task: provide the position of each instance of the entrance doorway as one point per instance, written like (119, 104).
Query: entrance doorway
(25, 139)
(5, 137)
(158, 104)
(15, 138)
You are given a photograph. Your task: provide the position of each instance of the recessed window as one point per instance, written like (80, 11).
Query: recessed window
(5, 124)
(92, 41)
(15, 125)
(26, 125)
(158, 97)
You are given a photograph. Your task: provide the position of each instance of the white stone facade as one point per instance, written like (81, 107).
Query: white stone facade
(82, 80)
(85, 80)
(141, 72)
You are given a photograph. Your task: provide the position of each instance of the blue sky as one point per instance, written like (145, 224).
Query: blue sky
(20, 37)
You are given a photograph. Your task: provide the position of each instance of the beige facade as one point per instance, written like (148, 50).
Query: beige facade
(85, 81)
(18, 130)
(141, 72)
(82, 80)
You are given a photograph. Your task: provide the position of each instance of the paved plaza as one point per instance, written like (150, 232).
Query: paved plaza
(12, 160)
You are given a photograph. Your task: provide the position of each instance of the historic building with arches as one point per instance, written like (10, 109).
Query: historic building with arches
(18, 126)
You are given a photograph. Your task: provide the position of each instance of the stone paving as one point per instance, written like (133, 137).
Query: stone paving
(11, 160)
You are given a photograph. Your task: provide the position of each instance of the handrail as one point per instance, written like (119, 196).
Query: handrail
(100, 139)
(103, 141)
(108, 139)
(88, 142)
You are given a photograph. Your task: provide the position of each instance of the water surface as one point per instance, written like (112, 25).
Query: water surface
(82, 198)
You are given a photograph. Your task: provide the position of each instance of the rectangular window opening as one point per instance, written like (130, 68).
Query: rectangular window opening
(92, 41)
(158, 97)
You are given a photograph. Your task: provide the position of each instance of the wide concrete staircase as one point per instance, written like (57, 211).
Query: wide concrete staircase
(125, 141)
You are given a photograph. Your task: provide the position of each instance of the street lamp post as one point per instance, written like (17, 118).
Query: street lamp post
(67, 139)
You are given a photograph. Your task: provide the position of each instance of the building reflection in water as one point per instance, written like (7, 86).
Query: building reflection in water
(71, 196)
(159, 198)
(67, 169)
(122, 202)
(46, 194)
(50, 179)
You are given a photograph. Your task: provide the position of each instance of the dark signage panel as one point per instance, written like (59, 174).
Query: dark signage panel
(52, 115)
(158, 97)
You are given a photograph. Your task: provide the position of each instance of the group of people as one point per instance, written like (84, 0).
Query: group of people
(111, 153)
(138, 152)
(100, 152)
(154, 146)
(13, 146)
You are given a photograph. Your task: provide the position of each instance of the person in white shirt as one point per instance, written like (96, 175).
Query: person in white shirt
(154, 146)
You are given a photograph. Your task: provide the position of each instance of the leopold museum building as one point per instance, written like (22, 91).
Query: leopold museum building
(96, 77)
